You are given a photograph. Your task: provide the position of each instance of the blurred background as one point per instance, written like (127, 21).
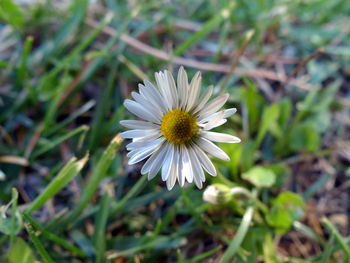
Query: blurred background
(66, 191)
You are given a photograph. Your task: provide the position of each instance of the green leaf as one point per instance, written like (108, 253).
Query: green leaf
(11, 225)
(21, 252)
(285, 106)
(254, 239)
(304, 137)
(7, 227)
(4, 64)
(287, 198)
(320, 121)
(269, 123)
(279, 219)
(247, 154)
(260, 176)
(11, 13)
(287, 208)
(318, 100)
(281, 171)
(253, 103)
(291, 202)
(235, 151)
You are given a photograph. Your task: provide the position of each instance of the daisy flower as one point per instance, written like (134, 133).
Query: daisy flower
(175, 129)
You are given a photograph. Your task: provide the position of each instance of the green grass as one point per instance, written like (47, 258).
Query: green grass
(66, 192)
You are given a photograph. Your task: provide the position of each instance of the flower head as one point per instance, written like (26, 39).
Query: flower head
(217, 194)
(174, 130)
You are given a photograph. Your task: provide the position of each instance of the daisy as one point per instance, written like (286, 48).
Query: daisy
(175, 130)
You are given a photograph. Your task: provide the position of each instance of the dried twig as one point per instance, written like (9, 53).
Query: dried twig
(303, 63)
(33, 141)
(7, 137)
(235, 61)
(75, 82)
(14, 159)
(256, 73)
(291, 79)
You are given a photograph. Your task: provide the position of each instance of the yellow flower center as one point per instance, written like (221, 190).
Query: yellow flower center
(178, 127)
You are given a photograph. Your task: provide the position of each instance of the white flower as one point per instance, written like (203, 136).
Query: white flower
(211, 194)
(217, 194)
(174, 132)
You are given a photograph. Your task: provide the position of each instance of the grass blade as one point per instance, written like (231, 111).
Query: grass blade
(59, 140)
(341, 241)
(78, 50)
(97, 175)
(238, 239)
(83, 109)
(205, 30)
(100, 229)
(14, 212)
(133, 191)
(60, 241)
(38, 245)
(69, 171)
(23, 67)
(102, 108)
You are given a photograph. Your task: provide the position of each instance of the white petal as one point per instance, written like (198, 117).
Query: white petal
(140, 111)
(212, 149)
(196, 165)
(216, 121)
(213, 106)
(144, 153)
(220, 137)
(180, 176)
(139, 144)
(136, 151)
(174, 170)
(193, 91)
(227, 113)
(148, 164)
(186, 167)
(158, 161)
(171, 182)
(205, 161)
(148, 137)
(204, 100)
(213, 125)
(182, 86)
(148, 105)
(153, 95)
(136, 124)
(168, 160)
(198, 182)
(172, 88)
(164, 89)
(138, 133)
